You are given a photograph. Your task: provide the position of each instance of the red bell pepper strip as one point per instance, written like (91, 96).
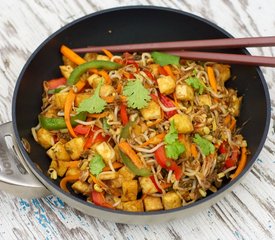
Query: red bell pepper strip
(55, 83)
(82, 129)
(154, 97)
(167, 163)
(222, 148)
(133, 62)
(123, 114)
(154, 182)
(169, 104)
(99, 200)
(99, 138)
(162, 71)
(149, 75)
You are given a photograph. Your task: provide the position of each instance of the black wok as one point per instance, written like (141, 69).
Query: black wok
(28, 175)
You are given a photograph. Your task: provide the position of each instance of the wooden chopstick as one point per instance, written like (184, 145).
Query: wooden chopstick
(180, 45)
(226, 58)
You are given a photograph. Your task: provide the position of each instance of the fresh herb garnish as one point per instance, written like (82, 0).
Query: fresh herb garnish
(137, 95)
(173, 148)
(205, 145)
(196, 84)
(165, 58)
(94, 104)
(96, 165)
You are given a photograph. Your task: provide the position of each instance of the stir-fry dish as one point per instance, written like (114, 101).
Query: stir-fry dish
(140, 131)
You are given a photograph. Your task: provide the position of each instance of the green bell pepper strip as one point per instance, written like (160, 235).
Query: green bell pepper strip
(57, 123)
(125, 132)
(82, 68)
(144, 172)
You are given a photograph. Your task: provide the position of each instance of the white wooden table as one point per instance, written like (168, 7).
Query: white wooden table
(246, 213)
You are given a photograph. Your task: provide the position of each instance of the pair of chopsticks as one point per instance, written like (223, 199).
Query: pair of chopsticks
(182, 49)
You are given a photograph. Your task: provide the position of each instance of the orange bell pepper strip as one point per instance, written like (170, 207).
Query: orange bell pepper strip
(65, 180)
(212, 79)
(71, 55)
(241, 164)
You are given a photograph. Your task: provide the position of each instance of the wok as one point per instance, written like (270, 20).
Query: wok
(25, 174)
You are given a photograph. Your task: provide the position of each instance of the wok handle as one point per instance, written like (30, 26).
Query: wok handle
(15, 176)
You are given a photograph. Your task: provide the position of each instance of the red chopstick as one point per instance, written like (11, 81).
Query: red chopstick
(180, 45)
(227, 58)
(179, 48)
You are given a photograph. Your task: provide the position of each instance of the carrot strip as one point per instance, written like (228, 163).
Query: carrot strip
(165, 185)
(242, 163)
(162, 71)
(227, 120)
(98, 182)
(80, 85)
(106, 76)
(71, 55)
(67, 110)
(127, 149)
(233, 124)
(119, 88)
(107, 53)
(194, 151)
(116, 165)
(154, 140)
(212, 79)
(65, 180)
(98, 115)
(72, 164)
(169, 71)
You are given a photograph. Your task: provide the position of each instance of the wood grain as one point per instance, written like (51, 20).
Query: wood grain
(246, 213)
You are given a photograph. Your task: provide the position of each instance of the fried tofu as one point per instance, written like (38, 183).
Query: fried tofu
(75, 147)
(147, 186)
(166, 85)
(151, 112)
(184, 92)
(59, 166)
(45, 138)
(59, 99)
(183, 123)
(205, 99)
(81, 187)
(129, 190)
(171, 200)
(106, 151)
(152, 203)
(58, 152)
(133, 206)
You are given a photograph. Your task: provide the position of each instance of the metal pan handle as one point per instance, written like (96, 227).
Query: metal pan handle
(15, 176)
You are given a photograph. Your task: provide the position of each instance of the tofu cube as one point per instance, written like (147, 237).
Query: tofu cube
(106, 90)
(58, 152)
(133, 206)
(45, 138)
(152, 203)
(66, 70)
(171, 200)
(166, 85)
(108, 176)
(224, 71)
(235, 106)
(80, 97)
(204, 100)
(183, 123)
(72, 171)
(126, 173)
(184, 92)
(59, 166)
(75, 147)
(154, 69)
(106, 151)
(94, 80)
(151, 112)
(81, 187)
(59, 99)
(147, 186)
(129, 190)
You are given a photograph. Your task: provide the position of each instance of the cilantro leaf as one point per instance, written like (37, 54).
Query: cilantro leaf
(205, 146)
(196, 84)
(94, 104)
(137, 95)
(96, 165)
(165, 58)
(173, 148)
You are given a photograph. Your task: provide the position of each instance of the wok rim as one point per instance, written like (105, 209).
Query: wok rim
(49, 184)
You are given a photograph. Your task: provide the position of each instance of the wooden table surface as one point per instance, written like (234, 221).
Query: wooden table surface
(248, 212)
